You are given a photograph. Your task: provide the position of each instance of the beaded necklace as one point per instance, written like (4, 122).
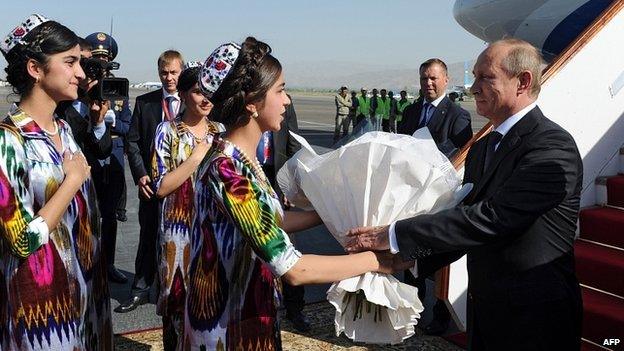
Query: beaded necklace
(255, 166)
(196, 138)
(52, 133)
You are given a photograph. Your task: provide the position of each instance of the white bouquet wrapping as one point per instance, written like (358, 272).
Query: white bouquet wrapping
(373, 180)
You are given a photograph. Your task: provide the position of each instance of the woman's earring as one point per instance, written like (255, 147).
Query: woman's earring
(37, 80)
(254, 115)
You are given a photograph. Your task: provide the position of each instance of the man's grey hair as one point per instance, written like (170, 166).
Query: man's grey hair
(521, 57)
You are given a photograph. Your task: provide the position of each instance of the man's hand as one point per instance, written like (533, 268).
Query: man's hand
(368, 238)
(145, 188)
(398, 265)
(97, 111)
(85, 85)
(286, 204)
(389, 263)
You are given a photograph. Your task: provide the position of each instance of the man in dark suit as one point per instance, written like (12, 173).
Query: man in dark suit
(86, 119)
(517, 225)
(95, 145)
(149, 110)
(274, 149)
(108, 174)
(451, 129)
(448, 123)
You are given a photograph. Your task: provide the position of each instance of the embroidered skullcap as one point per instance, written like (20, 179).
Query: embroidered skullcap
(191, 64)
(217, 66)
(16, 36)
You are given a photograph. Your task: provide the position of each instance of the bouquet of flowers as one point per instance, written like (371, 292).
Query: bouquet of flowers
(373, 180)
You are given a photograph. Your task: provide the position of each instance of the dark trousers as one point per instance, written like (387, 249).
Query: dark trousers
(525, 324)
(440, 311)
(427, 267)
(293, 296)
(358, 120)
(385, 125)
(145, 264)
(109, 183)
(121, 208)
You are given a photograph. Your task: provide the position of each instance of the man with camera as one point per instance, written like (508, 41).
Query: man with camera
(86, 119)
(108, 174)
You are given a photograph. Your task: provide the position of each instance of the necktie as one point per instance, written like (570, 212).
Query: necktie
(493, 139)
(170, 109)
(425, 115)
(263, 151)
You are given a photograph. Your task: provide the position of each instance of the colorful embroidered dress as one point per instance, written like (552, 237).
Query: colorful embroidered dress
(174, 143)
(54, 293)
(238, 252)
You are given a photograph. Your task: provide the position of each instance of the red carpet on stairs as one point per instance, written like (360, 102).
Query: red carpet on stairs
(615, 195)
(604, 225)
(600, 267)
(603, 317)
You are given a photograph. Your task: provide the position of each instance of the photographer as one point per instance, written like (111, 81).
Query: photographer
(86, 119)
(108, 175)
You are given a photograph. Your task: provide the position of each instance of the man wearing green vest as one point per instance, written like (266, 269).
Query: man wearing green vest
(400, 107)
(363, 109)
(382, 111)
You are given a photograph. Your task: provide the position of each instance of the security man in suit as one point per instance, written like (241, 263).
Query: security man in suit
(274, 149)
(150, 110)
(448, 123)
(108, 175)
(517, 225)
(451, 129)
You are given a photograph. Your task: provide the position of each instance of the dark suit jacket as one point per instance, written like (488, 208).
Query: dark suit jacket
(92, 148)
(517, 225)
(284, 145)
(450, 124)
(123, 118)
(147, 115)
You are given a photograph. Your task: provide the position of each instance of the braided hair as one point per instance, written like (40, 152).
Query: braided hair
(47, 39)
(188, 79)
(253, 74)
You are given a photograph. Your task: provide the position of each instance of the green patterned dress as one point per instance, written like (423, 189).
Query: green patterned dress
(238, 252)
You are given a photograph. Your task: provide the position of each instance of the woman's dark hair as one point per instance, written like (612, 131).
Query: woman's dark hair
(253, 74)
(188, 78)
(47, 39)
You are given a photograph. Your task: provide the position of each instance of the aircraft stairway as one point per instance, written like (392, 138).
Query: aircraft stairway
(599, 253)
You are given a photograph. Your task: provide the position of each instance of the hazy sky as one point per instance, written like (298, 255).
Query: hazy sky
(365, 34)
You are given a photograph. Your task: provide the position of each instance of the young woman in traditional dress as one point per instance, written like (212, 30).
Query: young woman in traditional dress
(239, 245)
(180, 145)
(53, 288)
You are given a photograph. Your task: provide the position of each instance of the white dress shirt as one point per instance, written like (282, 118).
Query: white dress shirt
(434, 103)
(175, 103)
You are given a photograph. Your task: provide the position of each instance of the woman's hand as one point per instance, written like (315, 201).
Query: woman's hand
(75, 167)
(200, 150)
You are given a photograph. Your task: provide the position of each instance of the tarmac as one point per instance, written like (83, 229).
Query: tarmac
(315, 115)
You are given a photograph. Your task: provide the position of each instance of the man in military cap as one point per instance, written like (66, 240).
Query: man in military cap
(109, 179)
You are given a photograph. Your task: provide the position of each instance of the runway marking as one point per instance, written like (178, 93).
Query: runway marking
(315, 134)
(317, 123)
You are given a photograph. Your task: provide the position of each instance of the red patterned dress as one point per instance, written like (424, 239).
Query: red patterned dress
(53, 288)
